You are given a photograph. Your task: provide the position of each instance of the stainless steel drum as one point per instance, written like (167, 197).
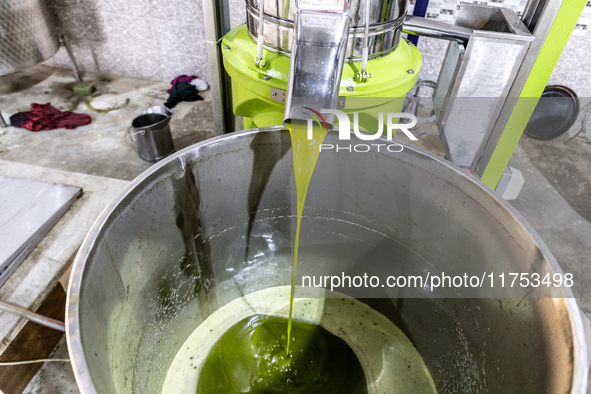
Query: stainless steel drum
(213, 222)
(27, 34)
(385, 24)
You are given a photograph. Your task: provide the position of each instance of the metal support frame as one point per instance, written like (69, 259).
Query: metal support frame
(531, 13)
(66, 42)
(2, 121)
(364, 76)
(552, 22)
(216, 15)
(476, 79)
(420, 10)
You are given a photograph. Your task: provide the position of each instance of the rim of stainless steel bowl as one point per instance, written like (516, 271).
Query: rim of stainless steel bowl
(158, 109)
(154, 125)
(76, 351)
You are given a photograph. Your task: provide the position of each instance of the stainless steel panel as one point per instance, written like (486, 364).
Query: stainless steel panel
(27, 34)
(316, 64)
(547, 14)
(28, 210)
(476, 81)
(145, 278)
(381, 11)
(384, 31)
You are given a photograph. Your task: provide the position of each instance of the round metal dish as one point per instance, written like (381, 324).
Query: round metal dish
(555, 113)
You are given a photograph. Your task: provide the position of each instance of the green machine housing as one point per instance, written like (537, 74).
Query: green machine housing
(258, 92)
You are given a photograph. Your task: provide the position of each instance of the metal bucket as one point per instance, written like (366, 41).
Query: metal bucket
(213, 222)
(152, 135)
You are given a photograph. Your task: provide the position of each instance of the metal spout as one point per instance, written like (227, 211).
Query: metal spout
(317, 57)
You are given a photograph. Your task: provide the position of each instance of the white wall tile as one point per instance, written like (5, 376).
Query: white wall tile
(160, 39)
(152, 39)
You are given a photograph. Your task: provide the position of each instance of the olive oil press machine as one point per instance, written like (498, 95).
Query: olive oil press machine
(293, 51)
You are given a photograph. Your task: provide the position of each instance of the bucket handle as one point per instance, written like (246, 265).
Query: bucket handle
(130, 134)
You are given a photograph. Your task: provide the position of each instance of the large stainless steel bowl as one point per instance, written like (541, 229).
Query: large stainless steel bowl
(213, 222)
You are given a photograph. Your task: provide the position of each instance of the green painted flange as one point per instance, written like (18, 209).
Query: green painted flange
(392, 76)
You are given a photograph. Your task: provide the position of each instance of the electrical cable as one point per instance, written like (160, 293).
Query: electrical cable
(36, 318)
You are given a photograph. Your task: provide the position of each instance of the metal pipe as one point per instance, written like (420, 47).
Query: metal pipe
(435, 29)
(18, 310)
(66, 43)
(2, 121)
(217, 24)
(316, 64)
(261, 37)
(532, 12)
(365, 52)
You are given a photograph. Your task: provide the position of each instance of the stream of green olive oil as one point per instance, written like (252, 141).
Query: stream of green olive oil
(305, 156)
(269, 354)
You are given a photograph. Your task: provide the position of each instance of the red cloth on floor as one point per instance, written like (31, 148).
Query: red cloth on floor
(46, 117)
